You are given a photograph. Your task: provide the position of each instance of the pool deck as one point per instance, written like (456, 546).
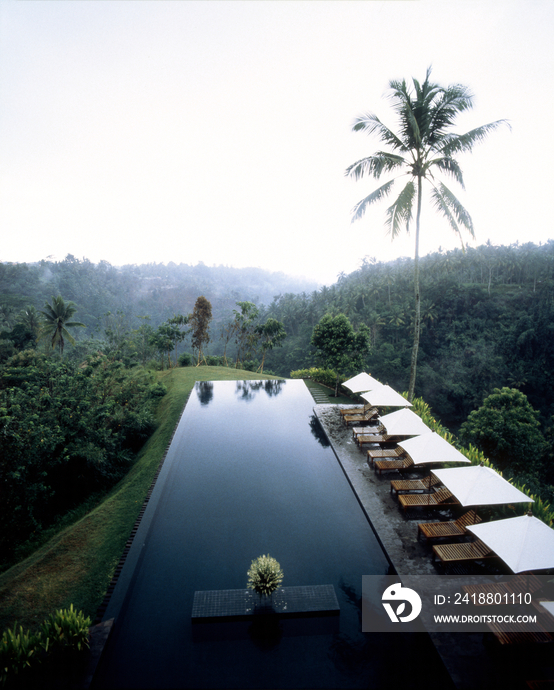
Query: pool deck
(470, 664)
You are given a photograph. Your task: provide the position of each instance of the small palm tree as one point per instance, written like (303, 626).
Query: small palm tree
(423, 146)
(56, 321)
(30, 318)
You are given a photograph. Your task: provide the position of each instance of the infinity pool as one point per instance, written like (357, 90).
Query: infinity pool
(249, 473)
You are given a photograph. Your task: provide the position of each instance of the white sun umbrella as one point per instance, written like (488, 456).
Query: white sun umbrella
(429, 448)
(480, 486)
(361, 382)
(404, 423)
(385, 396)
(523, 543)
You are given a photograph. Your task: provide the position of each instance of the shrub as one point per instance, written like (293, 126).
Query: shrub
(327, 377)
(265, 575)
(157, 390)
(185, 360)
(67, 629)
(64, 631)
(18, 650)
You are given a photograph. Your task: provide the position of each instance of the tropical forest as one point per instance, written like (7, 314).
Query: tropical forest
(77, 404)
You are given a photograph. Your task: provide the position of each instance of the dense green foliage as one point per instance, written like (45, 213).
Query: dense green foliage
(66, 432)
(487, 322)
(22, 650)
(506, 429)
(327, 377)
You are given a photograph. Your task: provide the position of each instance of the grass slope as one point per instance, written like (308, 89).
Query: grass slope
(76, 565)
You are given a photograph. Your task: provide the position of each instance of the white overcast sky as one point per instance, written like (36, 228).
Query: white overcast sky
(219, 131)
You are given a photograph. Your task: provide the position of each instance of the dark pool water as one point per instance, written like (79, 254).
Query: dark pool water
(248, 473)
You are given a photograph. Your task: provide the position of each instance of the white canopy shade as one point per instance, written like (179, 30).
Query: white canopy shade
(431, 448)
(404, 423)
(549, 606)
(361, 382)
(523, 543)
(479, 486)
(385, 396)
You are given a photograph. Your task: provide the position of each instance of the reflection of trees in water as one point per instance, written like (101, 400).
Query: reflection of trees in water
(273, 386)
(205, 392)
(246, 390)
(317, 431)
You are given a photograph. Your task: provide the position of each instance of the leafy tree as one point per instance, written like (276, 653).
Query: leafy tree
(271, 333)
(340, 347)
(245, 336)
(165, 339)
(506, 429)
(178, 321)
(200, 322)
(56, 321)
(141, 339)
(423, 147)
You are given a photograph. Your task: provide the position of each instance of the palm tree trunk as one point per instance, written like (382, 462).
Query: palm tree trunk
(417, 321)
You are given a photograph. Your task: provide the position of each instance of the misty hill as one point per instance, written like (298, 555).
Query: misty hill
(155, 290)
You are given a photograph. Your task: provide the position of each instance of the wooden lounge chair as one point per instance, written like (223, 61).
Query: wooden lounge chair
(441, 497)
(459, 553)
(520, 633)
(355, 410)
(380, 453)
(377, 429)
(408, 485)
(365, 418)
(454, 528)
(371, 438)
(401, 464)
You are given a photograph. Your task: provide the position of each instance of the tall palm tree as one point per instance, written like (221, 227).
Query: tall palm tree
(424, 145)
(57, 320)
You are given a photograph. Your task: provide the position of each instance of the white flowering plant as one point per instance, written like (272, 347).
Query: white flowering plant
(264, 575)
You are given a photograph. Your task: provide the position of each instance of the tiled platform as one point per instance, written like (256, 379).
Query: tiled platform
(240, 604)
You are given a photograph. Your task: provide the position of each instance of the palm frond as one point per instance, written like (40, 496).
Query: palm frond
(49, 314)
(399, 214)
(451, 144)
(451, 208)
(371, 124)
(452, 100)
(375, 165)
(64, 333)
(360, 208)
(450, 166)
